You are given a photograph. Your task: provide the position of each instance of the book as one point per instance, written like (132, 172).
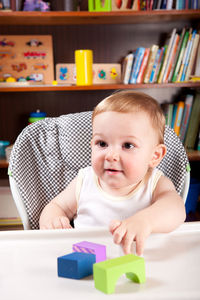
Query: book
(168, 111)
(136, 65)
(187, 55)
(152, 56)
(127, 66)
(186, 117)
(180, 56)
(174, 115)
(197, 65)
(184, 56)
(169, 4)
(177, 54)
(178, 118)
(171, 58)
(192, 57)
(160, 63)
(143, 65)
(160, 79)
(13, 5)
(193, 126)
(152, 76)
(198, 143)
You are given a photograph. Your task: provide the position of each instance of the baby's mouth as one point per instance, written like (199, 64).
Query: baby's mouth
(113, 171)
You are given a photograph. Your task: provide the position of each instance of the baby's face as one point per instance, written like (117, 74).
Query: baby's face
(123, 146)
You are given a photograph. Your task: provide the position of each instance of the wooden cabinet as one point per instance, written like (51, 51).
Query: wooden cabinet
(110, 35)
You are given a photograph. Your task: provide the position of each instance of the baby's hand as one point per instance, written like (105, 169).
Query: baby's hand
(132, 229)
(60, 222)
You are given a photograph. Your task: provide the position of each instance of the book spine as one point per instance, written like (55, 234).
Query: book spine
(160, 79)
(192, 57)
(143, 65)
(178, 118)
(193, 126)
(180, 57)
(174, 115)
(171, 58)
(150, 63)
(136, 67)
(128, 61)
(187, 57)
(158, 70)
(13, 5)
(152, 76)
(177, 54)
(186, 117)
(169, 4)
(184, 58)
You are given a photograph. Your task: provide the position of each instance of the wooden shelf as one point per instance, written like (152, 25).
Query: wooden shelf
(194, 155)
(85, 17)
(3, 163)
(44, 88)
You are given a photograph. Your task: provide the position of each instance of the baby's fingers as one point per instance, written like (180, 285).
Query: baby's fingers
(127, 243)
(114, 224)
(65, 222)
(119, 234)
(60, 223)
(140, 240)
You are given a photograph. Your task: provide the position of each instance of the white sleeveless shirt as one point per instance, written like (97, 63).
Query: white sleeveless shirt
(97, 208)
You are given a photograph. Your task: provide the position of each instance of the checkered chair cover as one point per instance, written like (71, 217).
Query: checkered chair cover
(48, 154)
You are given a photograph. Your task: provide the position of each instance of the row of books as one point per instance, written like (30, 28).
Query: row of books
(184, 118)
(174, 62)
(168, 4)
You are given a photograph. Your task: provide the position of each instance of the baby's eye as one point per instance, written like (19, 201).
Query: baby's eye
(128, 146)
(102, 144)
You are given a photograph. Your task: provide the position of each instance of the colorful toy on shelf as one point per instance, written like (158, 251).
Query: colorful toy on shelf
(36, 5)
(88, 247)
(97, 5)
(76, 265)
(102, 73)
(3, 145)
(36, 116)
(84, 61)
(27, 56)
(121, 5)
(106, 273)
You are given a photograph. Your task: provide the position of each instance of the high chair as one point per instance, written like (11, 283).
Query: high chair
(48, 154)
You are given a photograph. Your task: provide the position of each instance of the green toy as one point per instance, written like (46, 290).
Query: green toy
(96, 5)
(107, 273)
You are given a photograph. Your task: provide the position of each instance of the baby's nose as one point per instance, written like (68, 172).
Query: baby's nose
(112, 155)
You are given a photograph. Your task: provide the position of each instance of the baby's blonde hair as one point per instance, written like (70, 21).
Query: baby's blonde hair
(131, 101)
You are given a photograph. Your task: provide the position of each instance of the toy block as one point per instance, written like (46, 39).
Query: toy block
(88, 247)
(107, 273)
(96, 5)
(75, 265)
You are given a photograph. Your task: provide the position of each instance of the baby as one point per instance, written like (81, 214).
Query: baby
(122, 189)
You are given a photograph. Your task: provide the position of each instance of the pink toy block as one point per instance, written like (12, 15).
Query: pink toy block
(88, 247)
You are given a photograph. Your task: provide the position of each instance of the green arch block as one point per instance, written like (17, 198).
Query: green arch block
(106, 273)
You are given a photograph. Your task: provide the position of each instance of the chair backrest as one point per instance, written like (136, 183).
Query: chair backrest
(48, 154)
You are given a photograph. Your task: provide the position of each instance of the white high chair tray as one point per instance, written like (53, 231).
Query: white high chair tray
(28, 265)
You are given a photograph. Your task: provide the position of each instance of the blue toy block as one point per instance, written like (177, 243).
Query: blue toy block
(76, 265)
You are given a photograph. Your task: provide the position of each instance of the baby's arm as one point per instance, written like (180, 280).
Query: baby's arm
(58, 213)
(166, 213)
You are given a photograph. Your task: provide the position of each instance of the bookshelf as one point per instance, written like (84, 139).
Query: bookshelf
(111, 36)
(85, 17)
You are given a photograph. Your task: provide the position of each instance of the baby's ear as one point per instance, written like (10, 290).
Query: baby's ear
(158, 154)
